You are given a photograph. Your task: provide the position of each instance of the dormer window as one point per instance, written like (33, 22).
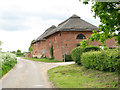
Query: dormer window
(80, 36)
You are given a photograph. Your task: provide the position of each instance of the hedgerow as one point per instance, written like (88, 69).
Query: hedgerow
(7, 61)
(77, 52)
(101, 60)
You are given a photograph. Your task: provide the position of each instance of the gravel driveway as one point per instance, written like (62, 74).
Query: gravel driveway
(29, 74)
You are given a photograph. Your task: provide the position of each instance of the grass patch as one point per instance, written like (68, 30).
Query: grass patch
(74, 76)
(42, 59)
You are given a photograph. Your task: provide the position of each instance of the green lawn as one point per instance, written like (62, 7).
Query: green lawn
(74, 76)
(42, 59)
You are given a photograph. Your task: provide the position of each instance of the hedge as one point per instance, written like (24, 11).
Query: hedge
(101, 60)
(8, 60)
(68, 58)
(77, 52)
(92, 48)
(106, 48)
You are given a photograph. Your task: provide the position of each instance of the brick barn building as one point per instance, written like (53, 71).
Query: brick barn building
(65, 37)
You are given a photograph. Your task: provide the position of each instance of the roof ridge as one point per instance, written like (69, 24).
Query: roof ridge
(52, 27)
(74, 16)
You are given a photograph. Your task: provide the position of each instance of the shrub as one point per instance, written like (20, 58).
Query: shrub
(78, 45)
(101, 60)
(92, 48)
(7, 62)
(77, 52)
(106, 48)
(68, 58)
(51, 52)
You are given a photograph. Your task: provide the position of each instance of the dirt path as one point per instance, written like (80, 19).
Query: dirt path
(29, 74)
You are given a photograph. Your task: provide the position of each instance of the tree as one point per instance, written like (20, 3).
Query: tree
(84, 43)
(109, 14)
(51, 52)
(18, 51)
(31, 46)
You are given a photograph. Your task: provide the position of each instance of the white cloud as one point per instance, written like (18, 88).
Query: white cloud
(21, 21)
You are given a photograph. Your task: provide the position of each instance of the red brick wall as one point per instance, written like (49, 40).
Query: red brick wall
(64, 43)
(69, 40)
(37, 47)
(56, 46)
(45, 45)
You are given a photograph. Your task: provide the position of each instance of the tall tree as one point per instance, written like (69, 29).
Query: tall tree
(109, 14)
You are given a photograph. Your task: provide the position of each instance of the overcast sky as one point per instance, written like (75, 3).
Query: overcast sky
(21, 21)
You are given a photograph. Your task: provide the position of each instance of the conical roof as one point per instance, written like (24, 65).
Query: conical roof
(73, 23)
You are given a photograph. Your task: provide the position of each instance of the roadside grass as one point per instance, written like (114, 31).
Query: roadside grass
(42, 59)
(74, 76)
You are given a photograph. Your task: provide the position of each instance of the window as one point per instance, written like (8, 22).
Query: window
(35, 44)
(59, 34)
(80, 36)
(55, 38)
(49, 41)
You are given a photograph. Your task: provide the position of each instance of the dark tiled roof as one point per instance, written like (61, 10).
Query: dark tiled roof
(74, 23)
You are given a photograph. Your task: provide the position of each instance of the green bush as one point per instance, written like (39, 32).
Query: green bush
(92, 48)
(78, 45)
(101, 60)
(8, 60)
(106, 48)
(68, 58)
(51, 52)
(77, 52)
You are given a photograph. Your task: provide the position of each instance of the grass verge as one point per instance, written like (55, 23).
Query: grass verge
(42, 59)
(74, 76)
